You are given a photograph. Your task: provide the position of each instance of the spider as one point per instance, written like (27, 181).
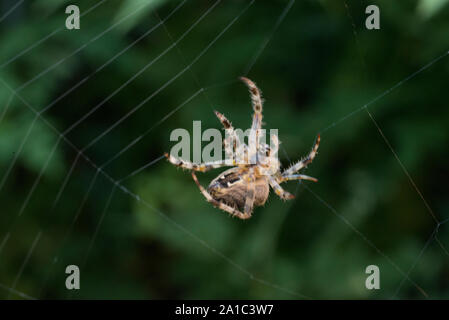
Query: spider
(239, 189)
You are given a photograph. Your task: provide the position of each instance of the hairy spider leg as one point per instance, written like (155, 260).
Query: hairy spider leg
(233, 146)
(296, 177)
(202, 167)
(268, 162)
(257, 103)
(285, 195)
(275, 143)
(303, 163)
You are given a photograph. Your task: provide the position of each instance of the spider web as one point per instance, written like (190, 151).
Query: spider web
(117, 185)
(438, 222)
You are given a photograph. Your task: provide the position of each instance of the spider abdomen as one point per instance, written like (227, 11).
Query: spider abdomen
(232, 187)
(262, 190)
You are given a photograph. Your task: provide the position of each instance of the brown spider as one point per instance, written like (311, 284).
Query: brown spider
(248, 184)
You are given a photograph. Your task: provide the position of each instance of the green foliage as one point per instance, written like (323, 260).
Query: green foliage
(319, 66)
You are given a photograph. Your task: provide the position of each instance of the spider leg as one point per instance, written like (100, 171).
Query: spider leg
(224, 121)
(202, 167)
(302, 163)
(231, 142)
(296, 177)
(279, 191)
(232, 211)
(267, 150)
(257, 102)
(275, 140)
(268, 157)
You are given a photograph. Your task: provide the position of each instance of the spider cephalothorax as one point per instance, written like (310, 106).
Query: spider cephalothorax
(239, 189)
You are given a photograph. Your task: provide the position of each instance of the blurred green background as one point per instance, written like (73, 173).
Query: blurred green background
(315, 65)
